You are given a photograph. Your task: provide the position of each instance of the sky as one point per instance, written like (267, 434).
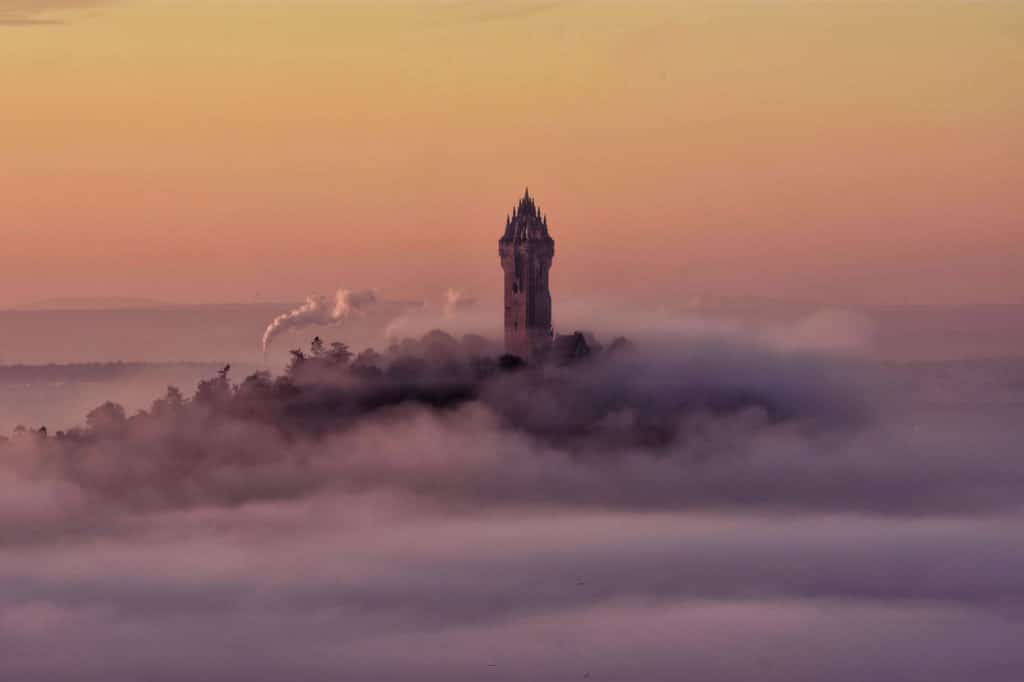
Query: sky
(841, 152)
(827, 494)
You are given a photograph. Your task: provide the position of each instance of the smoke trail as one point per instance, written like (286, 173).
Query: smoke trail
(454, 301)
(320, 310)
(426, 317)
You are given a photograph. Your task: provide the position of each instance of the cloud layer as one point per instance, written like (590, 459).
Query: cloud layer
(724, 511)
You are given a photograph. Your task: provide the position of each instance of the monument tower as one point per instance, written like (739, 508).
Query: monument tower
(526, 252)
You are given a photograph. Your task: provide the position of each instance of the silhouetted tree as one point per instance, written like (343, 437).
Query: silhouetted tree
(171, 405)
(437, 345)
(215, 391)
(510, 363)
(298, 359)
(367, 364)
(316, 349)
(255, 397)
(107, 419)
(339, 353)
(368, 358)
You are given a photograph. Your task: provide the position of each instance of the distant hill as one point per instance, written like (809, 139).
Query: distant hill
(95, 303)
(228, 332)
(96, 371)
(215, 333)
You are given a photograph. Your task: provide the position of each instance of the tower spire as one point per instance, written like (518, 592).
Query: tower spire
(526, 252)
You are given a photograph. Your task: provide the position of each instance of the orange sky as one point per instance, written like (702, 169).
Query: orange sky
(212, 150)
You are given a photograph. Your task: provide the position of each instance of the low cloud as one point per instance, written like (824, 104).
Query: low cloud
(441, 424)
(339, 592)
(719, 507)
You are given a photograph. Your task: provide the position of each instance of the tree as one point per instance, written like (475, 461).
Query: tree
(316, 349)
(174, 396)
(257, 386)
(215, 391)
(255, 397)
(172, 404)
(108, 418)
(510, 363)
(339, 354)
(368, 364)
(298, 359)
(368, 358)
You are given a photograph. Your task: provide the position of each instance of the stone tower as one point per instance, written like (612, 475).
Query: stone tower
(526, 252)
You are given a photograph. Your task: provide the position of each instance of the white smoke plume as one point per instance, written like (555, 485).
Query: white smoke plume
(454, 304)
(320, 310)
(454, 301)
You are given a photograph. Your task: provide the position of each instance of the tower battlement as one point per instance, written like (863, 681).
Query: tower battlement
(527, 251)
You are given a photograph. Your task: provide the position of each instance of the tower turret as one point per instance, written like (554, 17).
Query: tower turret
(526, 251)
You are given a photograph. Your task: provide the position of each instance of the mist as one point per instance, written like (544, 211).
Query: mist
(704, 501)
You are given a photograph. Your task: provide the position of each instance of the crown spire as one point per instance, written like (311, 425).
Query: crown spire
(526, 252)
(526, 221)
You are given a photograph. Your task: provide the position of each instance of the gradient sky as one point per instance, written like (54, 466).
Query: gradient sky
(845, 152)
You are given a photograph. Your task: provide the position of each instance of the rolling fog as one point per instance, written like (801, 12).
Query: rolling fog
(723, 502)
